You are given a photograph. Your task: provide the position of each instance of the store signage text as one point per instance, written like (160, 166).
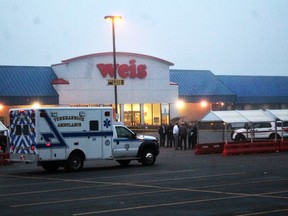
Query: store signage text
(124, 70)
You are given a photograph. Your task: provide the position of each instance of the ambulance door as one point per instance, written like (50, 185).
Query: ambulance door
(126, 143)
(44, 136)
(94, 139)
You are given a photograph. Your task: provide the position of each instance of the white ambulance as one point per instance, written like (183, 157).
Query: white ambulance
(66, 137)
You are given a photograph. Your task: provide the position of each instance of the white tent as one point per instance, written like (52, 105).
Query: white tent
(278, 114)
(225, 117)
(2, 127)
(256, 116)
(237, 116)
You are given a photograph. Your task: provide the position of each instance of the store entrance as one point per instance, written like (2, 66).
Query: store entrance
(132, 118)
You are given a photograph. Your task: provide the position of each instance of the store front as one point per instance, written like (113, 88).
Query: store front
(146, 114)
(146, 98)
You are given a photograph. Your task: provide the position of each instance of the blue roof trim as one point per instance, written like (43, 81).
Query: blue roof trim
(22, 85)
(25, 84)
(195, 85)
(257, 89)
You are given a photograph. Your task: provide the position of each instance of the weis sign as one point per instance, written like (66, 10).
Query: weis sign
(124, 70)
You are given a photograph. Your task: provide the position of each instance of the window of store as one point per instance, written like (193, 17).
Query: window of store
(148, 114)
(165, 114)
(132, 115)
(156, 110)
(154, 114)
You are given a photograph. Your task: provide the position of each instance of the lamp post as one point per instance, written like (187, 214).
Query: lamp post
(113, 18)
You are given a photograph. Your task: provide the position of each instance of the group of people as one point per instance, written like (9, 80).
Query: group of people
(181, 137)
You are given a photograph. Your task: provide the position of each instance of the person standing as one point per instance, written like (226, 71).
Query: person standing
(189, 134)
(170, 138)
(183, 136)
(194, 135)
(162, 133)
(176, 135)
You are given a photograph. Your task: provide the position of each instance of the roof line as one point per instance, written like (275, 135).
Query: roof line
(30, 66)
(117, 53)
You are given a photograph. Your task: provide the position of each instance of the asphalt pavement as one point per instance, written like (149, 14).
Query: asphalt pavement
(179, 183)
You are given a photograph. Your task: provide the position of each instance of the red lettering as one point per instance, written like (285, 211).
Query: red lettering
(123, 71)
(132, 67)
(142, 73)
(106, 69)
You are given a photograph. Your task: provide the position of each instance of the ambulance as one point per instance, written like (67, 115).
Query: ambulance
(66, 137)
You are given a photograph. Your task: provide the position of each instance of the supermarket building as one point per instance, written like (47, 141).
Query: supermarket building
(152, 93)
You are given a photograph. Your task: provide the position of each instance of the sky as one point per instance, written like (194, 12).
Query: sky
(227, 37)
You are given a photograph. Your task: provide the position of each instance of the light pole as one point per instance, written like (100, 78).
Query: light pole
(113, 18)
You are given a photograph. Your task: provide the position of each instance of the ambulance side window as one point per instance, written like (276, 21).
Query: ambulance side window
(123, 133)
(94, 125)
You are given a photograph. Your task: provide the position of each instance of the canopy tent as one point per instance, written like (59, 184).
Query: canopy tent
(2, 127)
(225, 117)
(237, 116)
(256, 116)
(278, 114)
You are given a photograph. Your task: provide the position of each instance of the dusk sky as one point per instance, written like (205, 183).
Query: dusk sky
(228, 37)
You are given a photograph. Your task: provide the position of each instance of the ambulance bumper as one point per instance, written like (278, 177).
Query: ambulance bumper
(23, 158)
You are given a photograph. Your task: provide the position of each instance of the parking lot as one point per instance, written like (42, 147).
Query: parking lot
(180, 183)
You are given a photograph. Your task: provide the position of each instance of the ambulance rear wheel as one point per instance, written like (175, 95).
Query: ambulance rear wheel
(74, 163)
(50, 166)
(148, 157)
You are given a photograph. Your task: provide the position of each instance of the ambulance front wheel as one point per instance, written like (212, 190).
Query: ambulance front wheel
(75, 162)
(148, 157)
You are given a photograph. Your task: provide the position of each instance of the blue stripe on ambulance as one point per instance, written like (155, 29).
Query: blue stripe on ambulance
(54, 130)
(60, 136)
(72, 135)
(48, 136)
(87, 134)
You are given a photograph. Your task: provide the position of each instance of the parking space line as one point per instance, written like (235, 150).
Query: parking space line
(276, 192)
(144, 174)
(49, 191)
(234, 196)
(199, 177)
(89, 198)
(103, 184)
(250, 182)
(155, 206)
(265, 212)
(90, 180)
(160, 190)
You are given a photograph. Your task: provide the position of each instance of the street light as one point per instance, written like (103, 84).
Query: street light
(113, 18)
